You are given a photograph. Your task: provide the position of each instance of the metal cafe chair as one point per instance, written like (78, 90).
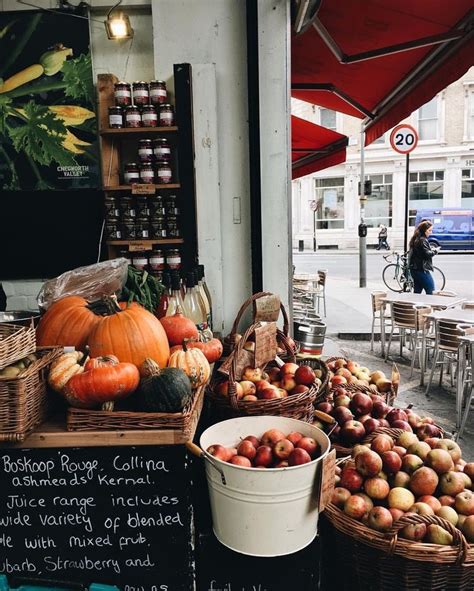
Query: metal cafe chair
(446, 347)
(318, 291)
(379, 316)
(410, 320)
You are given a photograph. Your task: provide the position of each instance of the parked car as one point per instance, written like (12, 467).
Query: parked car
(453, 229)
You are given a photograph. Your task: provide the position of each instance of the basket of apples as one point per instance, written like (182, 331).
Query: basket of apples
(402, 515)
(276, 388)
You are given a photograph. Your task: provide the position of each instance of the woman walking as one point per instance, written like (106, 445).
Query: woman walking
(383, 233)
(420, 258)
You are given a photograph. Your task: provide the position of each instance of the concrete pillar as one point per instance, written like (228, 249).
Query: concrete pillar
(452, 182)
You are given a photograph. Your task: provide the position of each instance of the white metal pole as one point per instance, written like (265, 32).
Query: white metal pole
(362, 200)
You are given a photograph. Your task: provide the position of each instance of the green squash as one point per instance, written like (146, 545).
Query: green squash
(162, 390)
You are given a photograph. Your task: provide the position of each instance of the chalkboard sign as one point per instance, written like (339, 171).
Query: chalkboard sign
(117, 515)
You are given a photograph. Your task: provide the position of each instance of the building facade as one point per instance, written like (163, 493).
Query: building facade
(326, 205)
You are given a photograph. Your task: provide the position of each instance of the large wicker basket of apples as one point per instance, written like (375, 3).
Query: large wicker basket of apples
(402, 515)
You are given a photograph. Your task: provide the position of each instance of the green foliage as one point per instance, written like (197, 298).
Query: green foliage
(5, 108)
(77, 75)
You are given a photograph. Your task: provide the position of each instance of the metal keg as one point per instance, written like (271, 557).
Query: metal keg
(310, 336)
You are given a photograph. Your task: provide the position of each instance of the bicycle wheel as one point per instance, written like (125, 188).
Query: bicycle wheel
(391, 277)
(439, 279)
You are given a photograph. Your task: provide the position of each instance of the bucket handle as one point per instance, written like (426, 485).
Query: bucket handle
(199, 453)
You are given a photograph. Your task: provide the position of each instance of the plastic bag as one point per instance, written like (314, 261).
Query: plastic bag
(91, 282)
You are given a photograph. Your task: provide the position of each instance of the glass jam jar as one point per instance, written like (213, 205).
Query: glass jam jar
(158, 227)
(172, 227)
(122, 94)
(140, 260)
(161, 150)
(166, 115)
(111, 206)
(145, 150)
(149, 116)
(112, 229)
(127, 206)
(164, 173)
(143, 209)
(171, 206)
(157, 206)
(115, 117)
(147, 174)
(131, 174)
(127, 228)
(173, 259)
(157, 260)
(142, 227)
(133, 117)
(158, 93)
(141, 94)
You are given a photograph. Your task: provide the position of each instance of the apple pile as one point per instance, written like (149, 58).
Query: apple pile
(359, 414)
(274, 449)
(342, 372)
(386, 480)
(282, 382)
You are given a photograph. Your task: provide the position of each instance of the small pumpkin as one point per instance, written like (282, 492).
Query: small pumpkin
(178, 327)
(212, 349)
(194, 364)
(101, 362)
(162, 390)
(103, 383)
(64, 367)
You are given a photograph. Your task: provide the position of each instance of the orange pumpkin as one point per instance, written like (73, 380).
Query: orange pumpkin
(178, 327)
(193, 363)
(212, 349)
(131, 333)
(67, 322)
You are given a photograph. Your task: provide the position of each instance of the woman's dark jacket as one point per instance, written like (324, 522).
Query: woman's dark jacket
(421, 256)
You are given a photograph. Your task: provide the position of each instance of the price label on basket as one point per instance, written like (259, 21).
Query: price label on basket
(404, 138)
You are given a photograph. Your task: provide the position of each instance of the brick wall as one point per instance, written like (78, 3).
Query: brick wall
(21, 295)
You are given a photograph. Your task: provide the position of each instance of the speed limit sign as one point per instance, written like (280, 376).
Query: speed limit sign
(404, 138)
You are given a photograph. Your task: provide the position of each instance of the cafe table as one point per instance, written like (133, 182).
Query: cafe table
(466, 343)
(417, 299)
(457, 315)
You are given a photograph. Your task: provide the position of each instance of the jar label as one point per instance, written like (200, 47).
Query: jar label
(131, 176)
(162, 151)
(158, 92)
(145, 152)
(146, 174)
(173, 260)
(139, 261)
(122, 93)
(139, 93)
(157, 260)
(150, 117)
(115, 119)
(168, 117)
(133, 117)
(164, 176)
(118, 234)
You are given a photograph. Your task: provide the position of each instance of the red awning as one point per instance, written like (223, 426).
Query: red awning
(314, 147)
(382, 59)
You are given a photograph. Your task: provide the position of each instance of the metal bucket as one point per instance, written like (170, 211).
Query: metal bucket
(263, 511)
(310, 336)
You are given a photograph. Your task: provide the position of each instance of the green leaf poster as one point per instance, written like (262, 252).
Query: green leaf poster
(48, 127)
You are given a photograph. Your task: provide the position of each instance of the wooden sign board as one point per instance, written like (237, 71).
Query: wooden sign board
(140, 246)
(143, 189)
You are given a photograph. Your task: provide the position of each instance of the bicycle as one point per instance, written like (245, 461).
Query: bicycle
(397, 277)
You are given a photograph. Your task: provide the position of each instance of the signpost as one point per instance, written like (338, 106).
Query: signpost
(404, 139)
(314, 206)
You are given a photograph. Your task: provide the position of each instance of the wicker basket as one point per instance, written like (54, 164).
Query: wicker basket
(375, 561)
(283, 339)
(23, 399)
(16, 342)
(297, 406)
(183, 423)
(343, 451)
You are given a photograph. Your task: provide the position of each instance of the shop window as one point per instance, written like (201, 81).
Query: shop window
(428, 120)
(378, 207)
(329, 203)
(425, 192)
(467, 189)
(328, 118)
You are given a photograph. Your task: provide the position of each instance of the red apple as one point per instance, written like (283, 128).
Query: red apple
(396, 513)
(304, 375)
(380, 519)
(369, 504)
(340, 496)
(379, 409)
(423, 481)
(342, 414)
(401, 451)
(377, 488)
(342, 400)
(400, 480)
(289, 368)
(420, 449)
(352, 432)
(338, 380)
(274, 374)
(447, 501)
(368, 463)
(451, 447)
(250, 398)
(247, 449)
(392, 462)
(298, 456)
(430, 500)
(223, 390)
(406, 439)
(440, 460)
(468, 529)
(271, 437)
(414, 532)
(427, 431)
(421, 509)
(308, 444)
(431, 441)
(396, 414)
(464, 502)
(240, 461)
(370, 425)
(469, 470)
(248, 387)
(287, 382)
(262, 384)
(218, 451)
(263, 457)
(451, 483)
(253, 374)
(361, 404)
(411, 463)
(282, 449)
(268, 393)
(294, 437)
(351, 479)
(355, 507)
(340, 363)
(381, 443)
(299, 390)
(281, 464)
(326, 407)
(401, 425)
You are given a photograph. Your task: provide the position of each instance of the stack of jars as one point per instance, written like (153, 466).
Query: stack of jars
(154, 163)
(141, 104)
(146, 217)
(155, 261)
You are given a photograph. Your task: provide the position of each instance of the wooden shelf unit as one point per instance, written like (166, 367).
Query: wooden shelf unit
(113, 141)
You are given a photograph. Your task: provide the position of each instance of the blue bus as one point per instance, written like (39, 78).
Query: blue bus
(453, 228)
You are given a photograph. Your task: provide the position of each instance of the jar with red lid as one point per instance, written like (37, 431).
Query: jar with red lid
(158, 92)
(141, 94)
(133, 117)
(122, 94)
(147, 174)
(164, 173)
(173, 259)
(140, 260)
(131, 173)
(149, 116)
(142, 227)
(158, 227)
(157, 260)
(161, 150)
(115, 117)
(145, 150)
(166, 115)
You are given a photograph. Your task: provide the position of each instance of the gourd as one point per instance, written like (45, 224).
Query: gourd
(131, 333)
(193, 363)
(178, 328)
(67, 322)
(212, 349)
(162, 390)
(64, 367)
(102, 383)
